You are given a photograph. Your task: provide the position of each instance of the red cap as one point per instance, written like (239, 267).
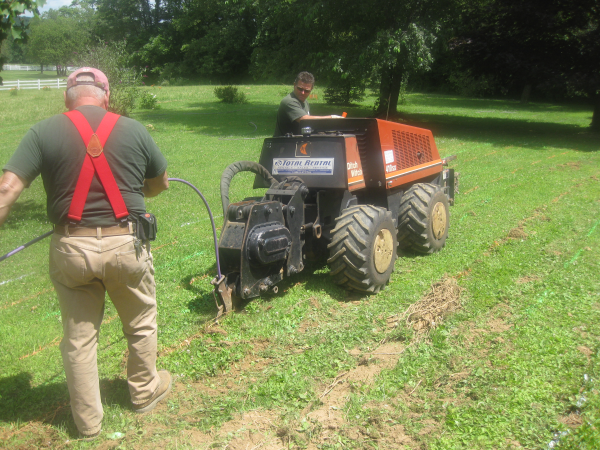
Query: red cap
(100, 79)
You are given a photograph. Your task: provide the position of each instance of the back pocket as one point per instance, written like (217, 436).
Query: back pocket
(67, 268)
(132, 268)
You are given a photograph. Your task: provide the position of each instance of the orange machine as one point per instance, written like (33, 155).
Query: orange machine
(351, 190)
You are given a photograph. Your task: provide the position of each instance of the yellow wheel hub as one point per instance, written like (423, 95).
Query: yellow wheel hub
(439, 220)
(384, 248)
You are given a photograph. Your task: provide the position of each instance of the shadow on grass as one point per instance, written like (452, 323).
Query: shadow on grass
(219, 120)
(49, 403)
(314, 278)
(505, 132)
(497, 105)
(199, 284)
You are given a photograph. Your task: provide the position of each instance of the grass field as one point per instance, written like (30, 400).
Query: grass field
(14, 75)
(516, 366)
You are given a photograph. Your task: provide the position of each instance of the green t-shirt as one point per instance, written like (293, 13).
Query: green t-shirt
(54, 149)
(290, 109)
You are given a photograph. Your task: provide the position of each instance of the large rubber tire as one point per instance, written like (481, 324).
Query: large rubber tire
(423, 219)
(363, 249)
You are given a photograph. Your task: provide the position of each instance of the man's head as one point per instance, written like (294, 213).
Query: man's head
(87, 86)
(303, 85)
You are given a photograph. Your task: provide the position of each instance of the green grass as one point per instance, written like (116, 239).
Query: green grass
(28, 75)
(508, 370)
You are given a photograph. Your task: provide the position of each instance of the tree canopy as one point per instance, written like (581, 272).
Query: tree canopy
(11, 23)
(55, 39)
(540, 46)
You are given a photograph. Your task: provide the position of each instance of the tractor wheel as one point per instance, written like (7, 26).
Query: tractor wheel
(423, 219)
(363, 248)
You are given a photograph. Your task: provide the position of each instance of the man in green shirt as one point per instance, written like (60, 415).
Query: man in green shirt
(294, 106)
(98, 252)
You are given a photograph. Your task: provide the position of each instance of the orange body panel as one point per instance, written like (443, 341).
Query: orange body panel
(408, 153)
(354, 169)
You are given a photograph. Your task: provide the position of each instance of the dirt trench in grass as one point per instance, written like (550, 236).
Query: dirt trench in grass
(325, 419)
(264, 429)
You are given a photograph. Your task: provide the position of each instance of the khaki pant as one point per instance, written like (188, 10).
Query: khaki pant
(82, 269)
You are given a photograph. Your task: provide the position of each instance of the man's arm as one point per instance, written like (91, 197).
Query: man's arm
(154, 186)
(11, 186)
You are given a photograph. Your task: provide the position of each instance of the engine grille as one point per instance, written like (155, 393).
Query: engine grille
(410, 149)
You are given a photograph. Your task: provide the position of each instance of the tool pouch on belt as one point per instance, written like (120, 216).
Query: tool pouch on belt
(146, 227)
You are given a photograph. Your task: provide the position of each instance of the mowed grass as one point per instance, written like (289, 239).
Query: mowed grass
(313, 367)
(28, 75)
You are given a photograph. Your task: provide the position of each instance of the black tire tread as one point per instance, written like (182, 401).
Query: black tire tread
(414, 220)
(349, 248)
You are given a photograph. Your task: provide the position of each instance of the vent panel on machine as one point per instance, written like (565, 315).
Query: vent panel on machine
(361, 141)
(411, 149)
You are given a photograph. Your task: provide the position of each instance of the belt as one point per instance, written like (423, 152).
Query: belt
(97, 232)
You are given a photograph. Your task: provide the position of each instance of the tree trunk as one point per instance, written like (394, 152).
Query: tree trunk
(42, 67)
(595, 125)
(525, 94)
(389, 90)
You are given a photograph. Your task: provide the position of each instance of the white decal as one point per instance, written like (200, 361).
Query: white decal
(389, 156)
(354, 170)
(390, 168)
(311, 166)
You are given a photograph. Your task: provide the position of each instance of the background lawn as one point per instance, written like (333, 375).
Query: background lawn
(313, 367)
(14, 75)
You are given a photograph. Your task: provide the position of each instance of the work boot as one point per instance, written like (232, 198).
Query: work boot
(163, 390)
(89, 437)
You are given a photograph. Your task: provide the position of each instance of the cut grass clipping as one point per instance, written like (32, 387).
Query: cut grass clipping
(428, 313)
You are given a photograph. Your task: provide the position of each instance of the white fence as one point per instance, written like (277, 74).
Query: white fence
(33, 68)
(28, 68)
(34, 84)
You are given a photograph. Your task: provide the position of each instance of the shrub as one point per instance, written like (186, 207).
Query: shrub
(46, 88)
(230, 94)
(343, 90)
(124, 79)
(14, 91)
(464, 83)
(148, 101)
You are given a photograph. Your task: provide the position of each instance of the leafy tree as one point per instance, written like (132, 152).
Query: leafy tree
(10, 23)
(133, 21)
(534, 44)
(521, 41)
(216, 37)
(116, 62)
(583, 62)
(376, 42)
(55, 39)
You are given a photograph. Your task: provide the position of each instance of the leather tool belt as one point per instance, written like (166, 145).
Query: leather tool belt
(97, 232)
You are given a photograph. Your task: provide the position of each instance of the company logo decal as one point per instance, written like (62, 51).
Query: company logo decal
(312, 166)
(303, 150)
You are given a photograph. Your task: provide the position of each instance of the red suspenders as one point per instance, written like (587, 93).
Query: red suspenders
(95, 162)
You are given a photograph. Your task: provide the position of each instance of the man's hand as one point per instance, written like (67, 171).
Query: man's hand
(154, 186)
(11, 186)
